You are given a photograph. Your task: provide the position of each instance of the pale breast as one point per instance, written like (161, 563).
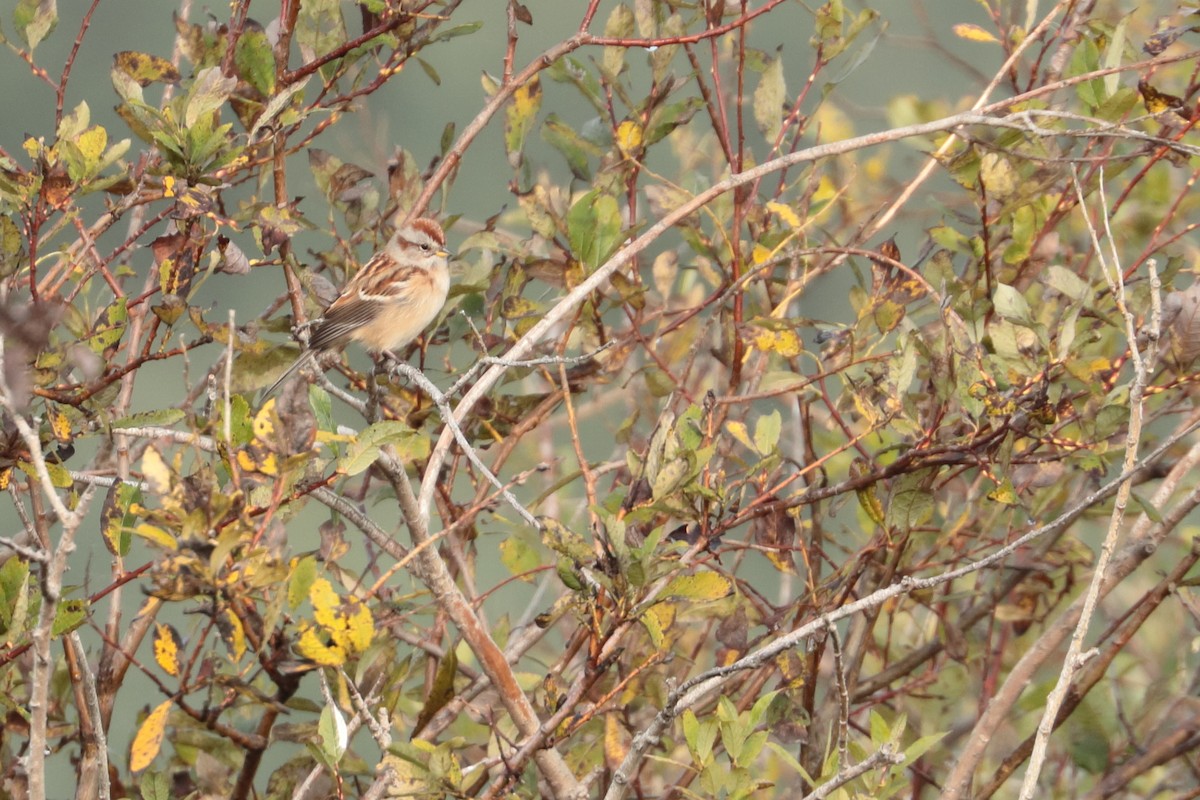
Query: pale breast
(399, 323)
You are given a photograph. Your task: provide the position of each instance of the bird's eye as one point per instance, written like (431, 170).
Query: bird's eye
(425, 247)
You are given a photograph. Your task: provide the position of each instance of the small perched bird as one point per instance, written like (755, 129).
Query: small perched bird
(389, 301)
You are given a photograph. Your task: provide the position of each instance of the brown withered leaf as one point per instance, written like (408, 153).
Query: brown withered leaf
(25, 329)
(57, 186)
(175, 257)
(776, 534)
(1166, 35)
(891, 283)
(732, 632)
(1172, 108)
(233, 259)
(1181, 320)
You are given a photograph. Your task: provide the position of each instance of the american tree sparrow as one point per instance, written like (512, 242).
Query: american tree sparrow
(389, 301)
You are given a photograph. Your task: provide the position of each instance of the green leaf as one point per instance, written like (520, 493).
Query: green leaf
(60, 477)
(769, 97)
(565, 541)
(331, 728)
(921, 746)
(997, 175)
(911, 504)
(519, 119)
(703, 586)
(519, 556)
(365, 450)
(322, 406)
(665, 119)
(1147, 507)
(209, 92)
(300, 581)
(1067, 283)
(881, 733)
(162, 418)
(255, 60)
(573, 147)
(74, 122)
(441, 691)
(15, 597)
(69, 615)
(12, 246)
(110, 327)
(1024, 228)
(1118, 106)
(154, 786)
(790, 760)
(1011, 305)
(766, 432)
(750, 749)
(619, 26)
(115, 519)
(320, 28)
(35, 19)
(594, 228)
(277, 106)
(454, 31)
(241, 421)
(1089, 732)
(655, 620)
(671, 475)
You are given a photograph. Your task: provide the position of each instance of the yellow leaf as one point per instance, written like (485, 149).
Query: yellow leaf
(785, 213)
(760, 254)
(267, 465)
(156, 472)
(169, 186)
(739, 431)
(656, 620)
(869, 502)
(60, 426)
(360, 627)
(528, 97)
(785, 342)
(324, 600)
(166, 648)
(234, 634)
(783, 563)
(347, 622)
(149, 738)
(91, 144)
(264, 420)
(311, 647)
(701, 586)
(156, 535)
(974, 33)
(825, 190)
(1004, 493)
(615, 741)
(629, 136)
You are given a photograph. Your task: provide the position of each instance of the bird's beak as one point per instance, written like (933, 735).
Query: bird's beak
(446, 254)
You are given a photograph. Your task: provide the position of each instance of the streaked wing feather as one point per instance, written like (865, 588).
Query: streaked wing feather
(345, 315)
(390, 285)
(380, 284)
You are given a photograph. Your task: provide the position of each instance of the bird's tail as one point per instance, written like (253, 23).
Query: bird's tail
(305, 358)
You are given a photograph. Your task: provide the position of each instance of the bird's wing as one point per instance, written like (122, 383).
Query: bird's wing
(379, 287)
